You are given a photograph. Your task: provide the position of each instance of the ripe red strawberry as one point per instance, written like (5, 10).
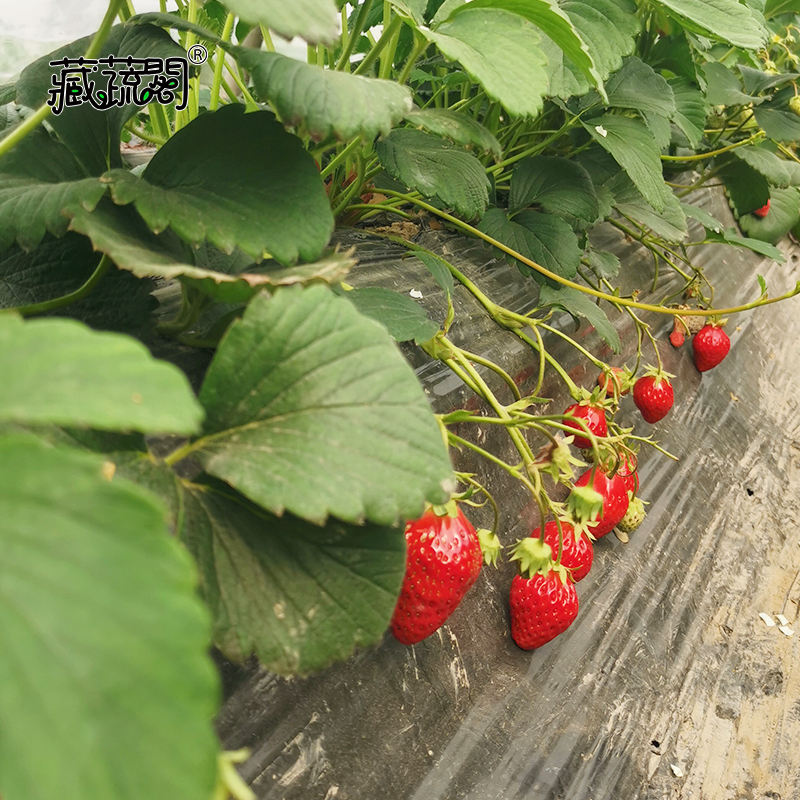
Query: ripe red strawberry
(615, 499)
(618, 379)
(543, 599)
(443, 560)
(628, 471)
(595, 418)
(763, 211)
(710, 344)
(577, 552)
(653, 395)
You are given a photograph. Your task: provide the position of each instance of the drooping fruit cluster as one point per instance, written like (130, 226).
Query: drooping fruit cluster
(443, 560)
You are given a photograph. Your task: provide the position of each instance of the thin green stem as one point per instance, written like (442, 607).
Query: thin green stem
(703, 156)
(220, 63)
(387, 36)
(420, 46)
(358, 26)
(513, 471)
(340, 159)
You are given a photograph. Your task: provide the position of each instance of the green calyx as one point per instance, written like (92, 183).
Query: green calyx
(490, 546)
(534, 556)
(448, 509)
(659, 374)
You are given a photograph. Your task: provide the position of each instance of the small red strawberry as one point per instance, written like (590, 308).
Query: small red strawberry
(710, 344)
(595, 418)
(543, 599)
(653, 395)
(628, 471)
(616, 381)
(763, 211)
(443, 560)
(615, 499)
(576, 550)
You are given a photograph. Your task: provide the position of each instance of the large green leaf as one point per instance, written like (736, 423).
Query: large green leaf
(105, 664)
(501, 52)
(59, 371)
(460, 128)
(122, 234)
(93, 135)
(731, 237)
(763, 159)
(436, 168)
(312, 409)
(38, 179)
(783, 215)
(638, 86)
(779, 125)
(578, 304)
(297, 595)
(635, 150)
(312, 20)
(774, 8)
(747, 188)
(669, 224)
(403, 318)
(543, 238)
(727, 20)
(326, 101)
(558, 185)
(757, 81)
(723, 87)
(609, 27)
(551, 19)
(690, 112)
(235, 180)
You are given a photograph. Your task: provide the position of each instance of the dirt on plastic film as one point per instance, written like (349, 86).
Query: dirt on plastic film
(669, 684)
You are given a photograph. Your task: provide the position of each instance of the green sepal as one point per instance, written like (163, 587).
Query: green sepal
(534, 555)
(490, 546)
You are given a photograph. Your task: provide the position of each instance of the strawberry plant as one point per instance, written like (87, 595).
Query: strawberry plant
(262, 509)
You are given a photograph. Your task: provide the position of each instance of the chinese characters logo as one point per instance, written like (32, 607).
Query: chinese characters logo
(124, 81)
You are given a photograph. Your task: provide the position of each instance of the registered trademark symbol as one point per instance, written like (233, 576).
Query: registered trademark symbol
(198, 54)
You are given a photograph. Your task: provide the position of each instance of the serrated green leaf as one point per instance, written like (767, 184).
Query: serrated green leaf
(553, 21)
(778, 124)
(669, 224)
(564, 79)
(38, 179)
(227, 178)
(639, 87)
(325, 101)
(603, 263)
(703, 217)
(660, 127)
(92, 135)
(312, 20)
(560, 186)
(723, 87)
(609, 28)
(746, 188)
(122, 234)
(436, 168)
(674, 54)
(690, 112)
(59, 371)
(757, 81)
(635, 150)
(297, 595)
(731, 237)
(494, 46)
(403, 318)
(766, 162)
(783, 215)
(100, 615)
(460, 128)
(543, 238)
(774, 8)
(578, 304)
(439, 270)
(412, 9)
(726, 20)
(312, 409)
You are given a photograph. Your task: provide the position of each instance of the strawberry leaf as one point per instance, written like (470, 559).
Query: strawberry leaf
(301, 367)
(436, 169)
(403, 318)
(225, 178)
(726, 20)
(783, 215)
(578, 304)
(460, 128)
(126, 692)
(298, 595)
